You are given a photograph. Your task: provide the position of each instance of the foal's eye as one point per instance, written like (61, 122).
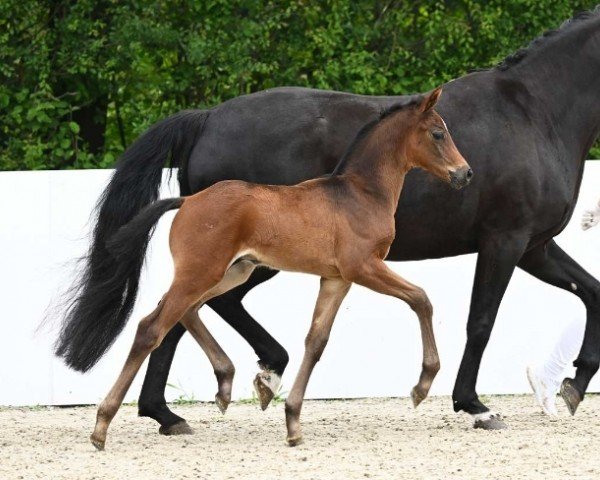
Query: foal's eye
(438, 134)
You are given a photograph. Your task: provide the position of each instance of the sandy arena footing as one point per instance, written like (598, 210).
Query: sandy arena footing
(345, 439)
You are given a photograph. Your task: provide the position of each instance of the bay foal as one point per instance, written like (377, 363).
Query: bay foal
(338, 227)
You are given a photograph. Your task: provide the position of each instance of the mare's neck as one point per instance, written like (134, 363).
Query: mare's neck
(562, 75)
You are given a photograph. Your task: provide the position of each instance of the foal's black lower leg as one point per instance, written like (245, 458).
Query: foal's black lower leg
(496, 262)
(552, 265)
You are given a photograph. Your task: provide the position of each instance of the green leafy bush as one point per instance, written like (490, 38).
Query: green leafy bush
(80, 80)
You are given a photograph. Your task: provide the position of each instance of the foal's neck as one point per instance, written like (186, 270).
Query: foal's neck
(378, 167)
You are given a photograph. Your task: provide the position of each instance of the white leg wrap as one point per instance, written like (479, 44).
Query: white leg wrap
(483, 416)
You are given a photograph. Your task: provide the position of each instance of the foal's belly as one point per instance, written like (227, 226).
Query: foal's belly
(293, 257)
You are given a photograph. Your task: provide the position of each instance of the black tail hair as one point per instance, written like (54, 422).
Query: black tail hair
(101, 300)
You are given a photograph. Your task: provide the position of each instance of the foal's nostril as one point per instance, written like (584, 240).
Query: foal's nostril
(461, 177)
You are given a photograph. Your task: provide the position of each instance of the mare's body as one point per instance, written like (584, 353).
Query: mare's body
(525, 128)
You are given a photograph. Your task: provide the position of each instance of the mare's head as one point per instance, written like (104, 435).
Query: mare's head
(428, 144)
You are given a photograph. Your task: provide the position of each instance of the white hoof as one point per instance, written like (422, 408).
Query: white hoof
(266, 384)
(488, 421)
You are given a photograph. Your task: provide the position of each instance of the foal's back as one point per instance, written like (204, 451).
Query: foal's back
(294, 228)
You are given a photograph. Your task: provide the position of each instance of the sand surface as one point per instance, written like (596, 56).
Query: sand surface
(371, 438)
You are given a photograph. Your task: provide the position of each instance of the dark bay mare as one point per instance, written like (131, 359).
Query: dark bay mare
(337, 226)
(525, 127)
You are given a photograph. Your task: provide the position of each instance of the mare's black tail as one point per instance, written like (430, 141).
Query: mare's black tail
(100, 302)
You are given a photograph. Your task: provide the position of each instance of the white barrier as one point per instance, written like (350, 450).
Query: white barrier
(374, 348)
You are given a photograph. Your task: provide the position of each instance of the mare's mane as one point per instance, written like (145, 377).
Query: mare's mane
(567, 25)
(364, 132)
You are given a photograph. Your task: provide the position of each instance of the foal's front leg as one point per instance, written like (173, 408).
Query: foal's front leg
(378, 277)
(331, 295)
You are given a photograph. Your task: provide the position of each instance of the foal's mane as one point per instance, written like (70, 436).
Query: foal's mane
(567, 25)
(364, 132)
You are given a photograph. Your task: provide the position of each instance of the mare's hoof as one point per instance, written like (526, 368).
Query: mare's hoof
(417, 396)
(221, 403)
(570, 395)
(295, 441)
(99, 444)
(492, 421)
(180, 428)
(266, 384)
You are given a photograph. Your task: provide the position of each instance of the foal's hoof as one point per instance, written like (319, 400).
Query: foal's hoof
(180, 428)
(489, 421)
(417, 396)
(266, 384)
(295, 441)
(570, 395)
(222, 403)
(99, 444)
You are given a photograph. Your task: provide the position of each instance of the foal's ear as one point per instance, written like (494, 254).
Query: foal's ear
(430, 100)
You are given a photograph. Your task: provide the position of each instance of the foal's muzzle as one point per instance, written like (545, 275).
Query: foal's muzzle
(461, 177)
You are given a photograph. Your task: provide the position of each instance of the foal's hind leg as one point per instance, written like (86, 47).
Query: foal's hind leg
(272, 356)
(378, 277)
(150, 333)
(331, 294)
(221, 363)
(224, 370)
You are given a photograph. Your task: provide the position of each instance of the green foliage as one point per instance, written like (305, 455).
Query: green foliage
(80, 80)
(277, 399)
(184, 398)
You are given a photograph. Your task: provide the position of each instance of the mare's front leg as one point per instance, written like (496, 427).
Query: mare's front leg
(331, 295)
(496, 261)
(378, 277)
(552, 265)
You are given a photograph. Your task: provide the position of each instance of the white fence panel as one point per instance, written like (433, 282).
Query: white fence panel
(374, 348)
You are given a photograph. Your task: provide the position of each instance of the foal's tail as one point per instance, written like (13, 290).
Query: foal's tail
(129, 244)
(101, 311)
(99, 303)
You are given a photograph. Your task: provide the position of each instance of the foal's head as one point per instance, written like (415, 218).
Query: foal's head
(428, 144)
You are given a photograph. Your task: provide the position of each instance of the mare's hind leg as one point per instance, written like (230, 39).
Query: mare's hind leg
(552, 265)
(152, 401)
(331, 294)
(378, 277)
(150, 332)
